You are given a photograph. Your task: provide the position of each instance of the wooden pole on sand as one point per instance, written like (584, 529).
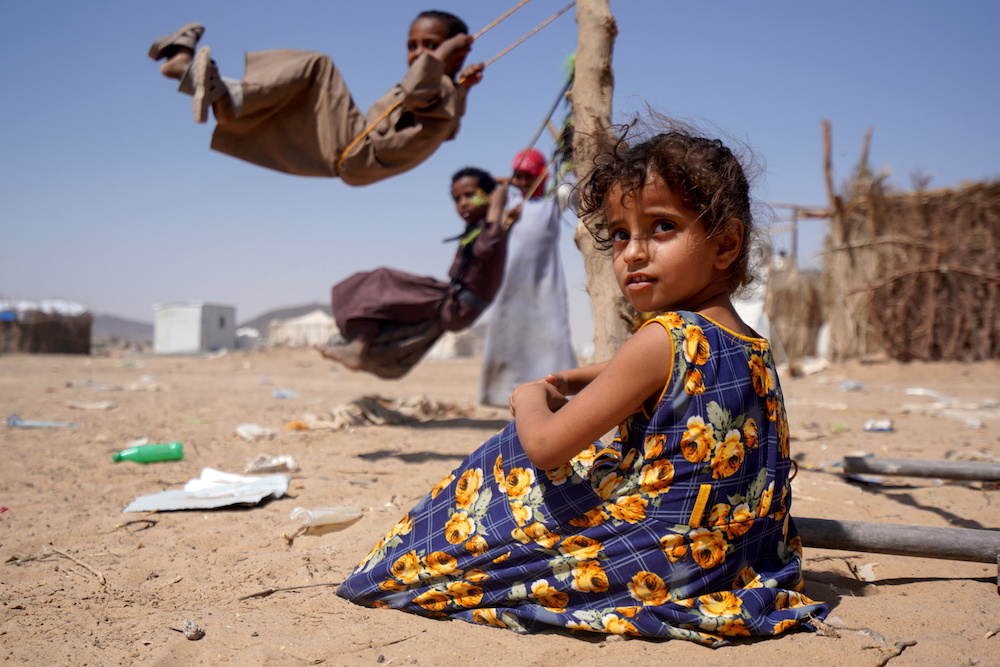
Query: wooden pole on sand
(967, 470)
(979, 546)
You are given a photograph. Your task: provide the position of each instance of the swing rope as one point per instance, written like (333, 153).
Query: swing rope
(534, 140)
(530, 33)
(501, 18)
(371, 128)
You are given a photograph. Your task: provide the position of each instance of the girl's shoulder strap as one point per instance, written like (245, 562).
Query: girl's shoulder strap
(674, 321)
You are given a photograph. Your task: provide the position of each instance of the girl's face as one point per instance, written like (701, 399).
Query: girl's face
(470, 200)
(663, 259)
(426, 34)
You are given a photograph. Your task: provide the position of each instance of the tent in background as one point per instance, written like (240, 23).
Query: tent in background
(313, 328)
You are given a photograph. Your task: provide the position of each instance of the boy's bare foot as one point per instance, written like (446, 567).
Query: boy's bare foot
(347, 355)
(177, 64)
(223, 109)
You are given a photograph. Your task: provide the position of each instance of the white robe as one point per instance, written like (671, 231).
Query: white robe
(527, 326)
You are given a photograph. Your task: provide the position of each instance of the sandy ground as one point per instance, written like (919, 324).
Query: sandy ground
(85, 584)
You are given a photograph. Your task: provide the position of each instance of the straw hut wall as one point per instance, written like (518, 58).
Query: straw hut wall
(52, 333)
(914, 275)
(794, 309)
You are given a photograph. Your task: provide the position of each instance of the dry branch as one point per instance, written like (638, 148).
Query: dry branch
(272, 591)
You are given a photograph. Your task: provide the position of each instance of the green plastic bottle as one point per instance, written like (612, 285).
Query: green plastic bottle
(171, 451)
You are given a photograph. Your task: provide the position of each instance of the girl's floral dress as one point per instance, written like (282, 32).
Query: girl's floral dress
(681, 529)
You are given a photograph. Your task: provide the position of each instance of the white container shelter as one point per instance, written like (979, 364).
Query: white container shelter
(193, 327)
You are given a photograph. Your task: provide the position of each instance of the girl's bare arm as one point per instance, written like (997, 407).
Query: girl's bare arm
(553, 430)
(573, 381)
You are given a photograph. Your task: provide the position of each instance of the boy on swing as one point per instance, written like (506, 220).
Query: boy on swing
(292, 111)
(390, 319)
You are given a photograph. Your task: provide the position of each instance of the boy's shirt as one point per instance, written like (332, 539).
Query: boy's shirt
(430, 113)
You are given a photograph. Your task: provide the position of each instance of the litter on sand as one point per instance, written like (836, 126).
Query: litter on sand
(213, 489)
(376, 410)
(255, 432)
(13, 421)
(265, 463)
(94, 405)
(324, 516)
(879, 426)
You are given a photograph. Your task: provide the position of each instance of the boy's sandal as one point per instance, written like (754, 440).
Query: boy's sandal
(167, 45)
(208, 85)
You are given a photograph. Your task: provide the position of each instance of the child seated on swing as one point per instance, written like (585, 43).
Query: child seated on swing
(389, 319)
(293, 112)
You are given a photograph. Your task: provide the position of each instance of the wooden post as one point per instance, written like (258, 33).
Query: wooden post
(795, 237)
(967, 470)
(593, 89)
(978, 546)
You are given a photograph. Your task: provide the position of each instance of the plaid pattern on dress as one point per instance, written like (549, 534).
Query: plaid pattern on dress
(681, 529)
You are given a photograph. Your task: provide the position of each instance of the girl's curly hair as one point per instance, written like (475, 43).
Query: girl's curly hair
(706, 175)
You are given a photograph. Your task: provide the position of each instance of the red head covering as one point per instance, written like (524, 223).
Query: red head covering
(533, 162)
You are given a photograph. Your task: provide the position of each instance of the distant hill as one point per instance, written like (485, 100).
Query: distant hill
(106, 327)
(261, 322)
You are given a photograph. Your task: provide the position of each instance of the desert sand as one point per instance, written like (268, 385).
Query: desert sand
(85, 584)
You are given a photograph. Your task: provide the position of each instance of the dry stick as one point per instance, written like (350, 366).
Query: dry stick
(397, 641)
(933, 282)
(895, 652)
(835, 201)
(149, 523)
(553, 130)
(372, 645)
(885, 239)
(17, 560)
(271, 591)
(100, 577)
(925, 269)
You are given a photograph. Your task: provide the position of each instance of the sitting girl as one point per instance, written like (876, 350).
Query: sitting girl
(681, 529)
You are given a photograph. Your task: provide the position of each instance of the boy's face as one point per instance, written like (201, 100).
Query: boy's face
(426, 35)
(522, 180)
(470, 200)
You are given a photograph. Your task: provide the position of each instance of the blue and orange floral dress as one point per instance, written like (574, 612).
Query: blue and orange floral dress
(681, 529)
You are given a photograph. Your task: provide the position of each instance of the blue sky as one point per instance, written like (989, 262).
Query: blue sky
(112, 198)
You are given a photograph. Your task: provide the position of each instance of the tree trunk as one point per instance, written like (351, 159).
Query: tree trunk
(593, 87)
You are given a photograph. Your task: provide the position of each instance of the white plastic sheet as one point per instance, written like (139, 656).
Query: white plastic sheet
(213, 489)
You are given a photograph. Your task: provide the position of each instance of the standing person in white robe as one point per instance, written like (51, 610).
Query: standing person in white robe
(527, 326)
